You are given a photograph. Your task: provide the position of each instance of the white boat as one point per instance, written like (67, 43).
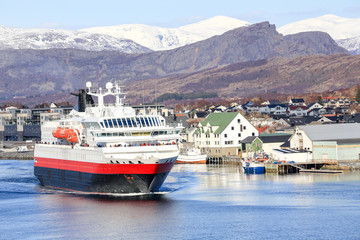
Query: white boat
(192, 155)
(21, 149)
(106, 148)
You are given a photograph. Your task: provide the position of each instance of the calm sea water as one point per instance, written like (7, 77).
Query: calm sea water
(197, 202)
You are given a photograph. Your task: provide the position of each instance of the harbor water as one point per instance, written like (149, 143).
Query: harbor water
(196, 202)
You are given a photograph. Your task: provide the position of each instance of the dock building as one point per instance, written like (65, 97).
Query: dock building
(328, 142)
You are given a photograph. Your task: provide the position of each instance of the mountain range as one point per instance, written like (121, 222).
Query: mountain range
(138, 38)
(204, 57)
(55, 70)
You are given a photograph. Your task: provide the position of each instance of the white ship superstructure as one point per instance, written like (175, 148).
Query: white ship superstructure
(106, 147)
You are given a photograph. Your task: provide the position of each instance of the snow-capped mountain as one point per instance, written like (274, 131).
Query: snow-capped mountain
(20, 38)
(157, 38)
(345, 31)
(138, 38)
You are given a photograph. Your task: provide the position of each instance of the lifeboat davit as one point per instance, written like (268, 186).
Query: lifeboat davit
(56, 132)
(72, 136)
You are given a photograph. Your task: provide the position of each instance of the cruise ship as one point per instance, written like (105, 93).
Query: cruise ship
(106, 148)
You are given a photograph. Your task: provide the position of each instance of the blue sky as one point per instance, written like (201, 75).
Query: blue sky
(77, 14)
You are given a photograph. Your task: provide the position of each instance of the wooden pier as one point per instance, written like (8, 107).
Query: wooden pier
(319, 171)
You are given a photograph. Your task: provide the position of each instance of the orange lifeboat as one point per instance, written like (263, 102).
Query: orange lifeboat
(72, 136)
(56, 132)
(64, 132)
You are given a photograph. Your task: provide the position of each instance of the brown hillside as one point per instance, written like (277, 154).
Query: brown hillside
(290, 76)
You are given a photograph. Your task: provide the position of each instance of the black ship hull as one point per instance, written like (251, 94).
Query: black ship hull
(84, 176)
(99, 183)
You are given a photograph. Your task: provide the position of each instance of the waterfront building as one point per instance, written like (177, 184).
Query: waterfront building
(221, 134)
(328, 142)
(25, 124)
(272, 141)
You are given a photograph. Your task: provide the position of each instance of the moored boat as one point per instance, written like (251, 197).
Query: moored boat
(106, 148)
(192, 155)
(253, 166)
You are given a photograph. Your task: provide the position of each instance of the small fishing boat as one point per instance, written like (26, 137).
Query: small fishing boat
(253, 166)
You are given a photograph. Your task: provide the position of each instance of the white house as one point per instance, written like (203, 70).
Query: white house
(222, 133)
(297, 102)
(276, 109)
(297, 111)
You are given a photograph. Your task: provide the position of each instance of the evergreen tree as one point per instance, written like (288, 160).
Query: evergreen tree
(357, 98)
(319, 100)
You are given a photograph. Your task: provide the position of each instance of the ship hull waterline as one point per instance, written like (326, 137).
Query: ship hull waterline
(103, 178)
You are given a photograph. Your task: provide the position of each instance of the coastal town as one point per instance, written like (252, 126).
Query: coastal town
(285, 132)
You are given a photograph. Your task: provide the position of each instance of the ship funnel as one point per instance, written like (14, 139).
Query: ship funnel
(83, 100)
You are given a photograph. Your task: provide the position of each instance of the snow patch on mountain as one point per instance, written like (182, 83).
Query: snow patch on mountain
(350, 44)
(345, 31)
(20, 38)
(214, 26)
(157, 38)
(337, 27)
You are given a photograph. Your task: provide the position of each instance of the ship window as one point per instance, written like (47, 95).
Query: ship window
(153, 121)
(138, 122)
(115, 134)
(128, 122)
(150, 121)
(110, 123)
(115, 123)
(133, 122)
(102, 124)
(124, 122)
(157, 122)
(119, 123)
(147, 122)
(106, 124)
(142, 121)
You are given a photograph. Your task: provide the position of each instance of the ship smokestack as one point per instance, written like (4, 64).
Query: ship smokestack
(83, 100)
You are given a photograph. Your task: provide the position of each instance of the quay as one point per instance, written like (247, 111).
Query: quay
(286, 168)
(283, 167)
(9, 150)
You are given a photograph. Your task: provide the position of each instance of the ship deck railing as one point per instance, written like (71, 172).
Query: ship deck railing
(108, 146)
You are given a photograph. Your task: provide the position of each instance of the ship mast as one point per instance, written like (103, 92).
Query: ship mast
(110, 91)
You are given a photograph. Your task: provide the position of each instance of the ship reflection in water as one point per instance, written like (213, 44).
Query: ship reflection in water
(195, 202)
